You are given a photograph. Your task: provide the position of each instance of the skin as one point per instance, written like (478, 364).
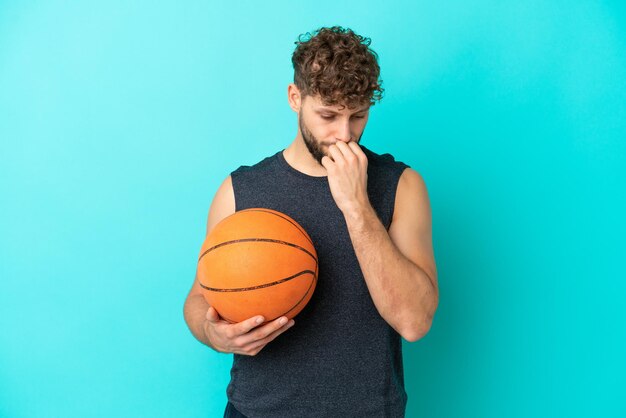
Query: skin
(398, 264)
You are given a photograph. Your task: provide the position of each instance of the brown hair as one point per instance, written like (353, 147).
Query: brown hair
(338, 65)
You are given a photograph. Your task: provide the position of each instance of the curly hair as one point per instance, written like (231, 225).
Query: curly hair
(338, 65)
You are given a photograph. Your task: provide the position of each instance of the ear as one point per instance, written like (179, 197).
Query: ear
(294, 97)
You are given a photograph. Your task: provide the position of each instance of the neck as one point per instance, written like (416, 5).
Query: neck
(298, 156)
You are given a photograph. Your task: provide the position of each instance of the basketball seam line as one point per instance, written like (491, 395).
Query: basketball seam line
(276, 241)
(261, 286)
(303, 297)
(311, 285)
(298, 227)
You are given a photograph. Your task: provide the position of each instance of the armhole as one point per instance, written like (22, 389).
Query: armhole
(234, 180)
(401, 167)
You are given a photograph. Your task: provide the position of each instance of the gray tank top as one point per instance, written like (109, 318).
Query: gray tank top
(341, 358)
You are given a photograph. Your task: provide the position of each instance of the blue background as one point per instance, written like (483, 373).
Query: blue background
(118, 121)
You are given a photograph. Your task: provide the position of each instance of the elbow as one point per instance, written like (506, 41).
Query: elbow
(417, 329)
(416, 332)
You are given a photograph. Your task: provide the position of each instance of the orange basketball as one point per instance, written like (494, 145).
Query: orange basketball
(257, 262)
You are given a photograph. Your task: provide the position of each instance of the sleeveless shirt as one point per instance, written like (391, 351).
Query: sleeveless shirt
(341, 358)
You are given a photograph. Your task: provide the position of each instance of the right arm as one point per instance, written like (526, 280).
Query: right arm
(245, 337)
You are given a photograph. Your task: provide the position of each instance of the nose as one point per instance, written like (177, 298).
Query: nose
(343, 134)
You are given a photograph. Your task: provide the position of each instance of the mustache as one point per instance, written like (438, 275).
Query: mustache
(333, 143)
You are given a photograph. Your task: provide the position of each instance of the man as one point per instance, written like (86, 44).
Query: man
(369, 218)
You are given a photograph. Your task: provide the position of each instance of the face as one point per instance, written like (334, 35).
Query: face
(322, 126)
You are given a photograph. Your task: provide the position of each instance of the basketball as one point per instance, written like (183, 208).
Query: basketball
(257, 262)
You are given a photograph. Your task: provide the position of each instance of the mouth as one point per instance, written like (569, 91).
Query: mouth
(328, 144)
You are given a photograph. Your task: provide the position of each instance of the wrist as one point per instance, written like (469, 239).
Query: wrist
(360, 215)
(206, 327)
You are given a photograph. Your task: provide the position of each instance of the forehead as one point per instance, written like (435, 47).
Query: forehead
(316, 103)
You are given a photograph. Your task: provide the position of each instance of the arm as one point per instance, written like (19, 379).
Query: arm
(247, 337)
(398, 266)
(196, 307)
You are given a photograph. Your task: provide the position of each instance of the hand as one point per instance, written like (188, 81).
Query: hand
(247, 337)
(347, 175)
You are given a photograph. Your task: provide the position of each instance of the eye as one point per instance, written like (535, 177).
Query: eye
(332, 117)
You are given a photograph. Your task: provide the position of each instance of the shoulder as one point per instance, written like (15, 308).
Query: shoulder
(411, 195)
(262, 165)
(384, 170)
(224, 201)
(222, 205)
(381, 160)
(411, 180)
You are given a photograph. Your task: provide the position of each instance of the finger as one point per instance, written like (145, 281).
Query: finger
(265, 330)
(246, 326)
(346, 151)
(327, 162)
(335, 154)
(212, 315)
(358, 151)
(264, 341)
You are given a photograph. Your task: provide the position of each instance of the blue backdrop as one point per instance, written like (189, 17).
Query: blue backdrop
(118, 121)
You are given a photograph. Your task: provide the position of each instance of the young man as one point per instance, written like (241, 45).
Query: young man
(369, 218)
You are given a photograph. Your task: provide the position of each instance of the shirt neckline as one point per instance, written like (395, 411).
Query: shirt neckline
(284, 164)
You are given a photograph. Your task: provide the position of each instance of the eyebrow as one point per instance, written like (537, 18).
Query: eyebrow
(328, 110)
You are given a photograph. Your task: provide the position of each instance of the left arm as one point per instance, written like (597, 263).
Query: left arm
(398, 266)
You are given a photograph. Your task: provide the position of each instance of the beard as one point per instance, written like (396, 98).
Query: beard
(312, 144)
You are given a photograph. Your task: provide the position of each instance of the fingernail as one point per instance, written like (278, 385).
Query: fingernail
(259, 320)
(283, 321)
(292, 322)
